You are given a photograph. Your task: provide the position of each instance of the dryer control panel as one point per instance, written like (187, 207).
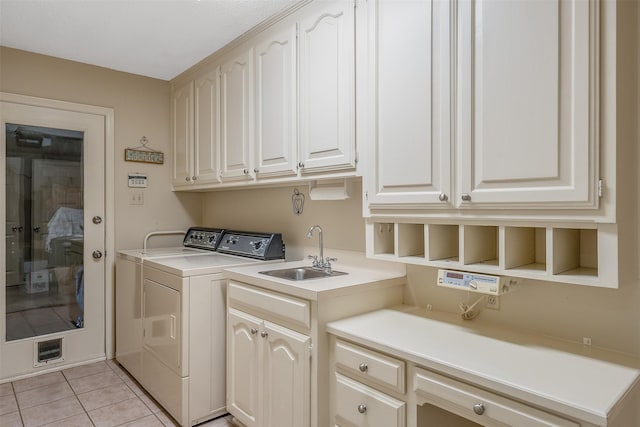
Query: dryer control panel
(473, 282)
(264, 246)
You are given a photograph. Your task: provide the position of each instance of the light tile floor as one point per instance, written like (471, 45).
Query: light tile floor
(100, 394)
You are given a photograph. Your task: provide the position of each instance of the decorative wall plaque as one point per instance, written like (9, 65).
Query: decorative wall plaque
(143, 154)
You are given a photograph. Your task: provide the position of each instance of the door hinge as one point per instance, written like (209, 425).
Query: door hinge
(356, 159)
(600, 187)
(366, 195)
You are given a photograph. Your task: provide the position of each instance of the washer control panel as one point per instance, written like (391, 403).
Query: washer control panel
(202, 238)
(263, 246)
(481, 283)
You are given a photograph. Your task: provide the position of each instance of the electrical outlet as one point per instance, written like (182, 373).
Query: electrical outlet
(586, 340)
(493, 302)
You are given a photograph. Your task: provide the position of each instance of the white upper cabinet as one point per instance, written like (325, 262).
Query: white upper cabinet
(276, 103)
(195, 121)
(207, 126)
(182, 122)
(407, 104)
(527, 103)
(236, 117)
(327, 87)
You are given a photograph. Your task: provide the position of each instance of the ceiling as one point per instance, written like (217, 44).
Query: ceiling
(154, 38)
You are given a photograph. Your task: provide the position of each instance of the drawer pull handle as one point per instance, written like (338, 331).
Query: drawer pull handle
(363, 367)
(478, 408)
(254, 331)
(264, 334)
(362, 408)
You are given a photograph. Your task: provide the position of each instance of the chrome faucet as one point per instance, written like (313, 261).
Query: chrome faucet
(319, 262)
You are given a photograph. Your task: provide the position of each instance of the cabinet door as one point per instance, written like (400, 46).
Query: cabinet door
(236, 139)
(207, 125)
(162, 324)
(276, 118)
(527, 101)
(243, 367)
(409, 103)
(327, 88)
(287, 392)
(182, 128)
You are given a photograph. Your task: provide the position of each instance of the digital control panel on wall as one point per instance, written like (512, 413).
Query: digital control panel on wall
(481, 283)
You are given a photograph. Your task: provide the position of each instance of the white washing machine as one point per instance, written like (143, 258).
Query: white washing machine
(184, 322)
(128, 289)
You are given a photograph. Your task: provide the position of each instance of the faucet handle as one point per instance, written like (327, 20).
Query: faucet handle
(314, 258)
(329, 260)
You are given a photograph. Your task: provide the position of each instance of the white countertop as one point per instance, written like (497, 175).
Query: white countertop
(580, 381)
(321, 288)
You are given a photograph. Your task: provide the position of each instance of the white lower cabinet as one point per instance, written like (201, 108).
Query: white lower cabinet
(368, 390)
(268, 371)
(478, 405)
(359, 405)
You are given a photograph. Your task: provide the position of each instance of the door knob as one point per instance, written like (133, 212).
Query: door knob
(96, 254)
(35, 229)
(96, 219)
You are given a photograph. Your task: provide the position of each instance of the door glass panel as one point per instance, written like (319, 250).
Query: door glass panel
(44, 231)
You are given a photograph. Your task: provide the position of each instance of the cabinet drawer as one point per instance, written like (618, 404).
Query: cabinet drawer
(359, 405)
(479, 405)
(270, 304)
(363, 363)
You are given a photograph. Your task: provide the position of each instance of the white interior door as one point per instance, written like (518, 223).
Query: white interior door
(55, 313)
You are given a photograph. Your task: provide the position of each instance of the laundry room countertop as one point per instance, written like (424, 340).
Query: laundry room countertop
(360, 276)
(582, 382)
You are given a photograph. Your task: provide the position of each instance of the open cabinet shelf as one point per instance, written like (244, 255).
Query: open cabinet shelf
(585, 254)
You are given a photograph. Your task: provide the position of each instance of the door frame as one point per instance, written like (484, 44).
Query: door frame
(109, 194)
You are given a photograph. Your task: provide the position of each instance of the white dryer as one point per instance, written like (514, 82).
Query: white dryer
(184, 323)
(128, 290)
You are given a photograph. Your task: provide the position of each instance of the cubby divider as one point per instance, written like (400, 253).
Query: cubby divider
(384, 238)
(443, 242)
(411, 240)
(575, 252)
(480, 245)
(525, 249)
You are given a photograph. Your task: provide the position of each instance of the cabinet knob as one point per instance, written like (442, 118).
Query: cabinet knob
(466, 197)
(363, 367)
(246, 171)
(478, 408)
(443, 197)
(194, 178)
(300, 165)
(253, 331)
(362, 408)
(188, 179)
(35, 229)
(264, 334)
(256, 170)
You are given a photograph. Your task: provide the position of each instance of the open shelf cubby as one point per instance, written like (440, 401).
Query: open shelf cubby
(480, 245)
(444, 242)
(525, 249)
(411, 240)
(578, 253)
(575, 252)
(384, 238)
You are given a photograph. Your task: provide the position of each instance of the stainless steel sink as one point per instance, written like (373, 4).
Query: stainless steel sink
(301, 273)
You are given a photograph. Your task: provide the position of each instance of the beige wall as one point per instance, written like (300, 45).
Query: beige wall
(270, 210)
(141, 107)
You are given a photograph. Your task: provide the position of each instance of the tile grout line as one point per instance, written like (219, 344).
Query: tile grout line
(79, 401)
(15, 396)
